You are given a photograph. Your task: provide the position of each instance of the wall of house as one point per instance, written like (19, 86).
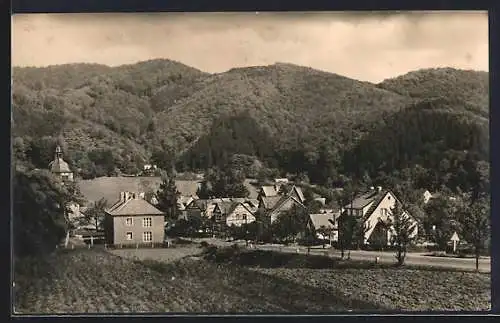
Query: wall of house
(387, 203)
(209, 211)
(193, 212)
(237, 216)
(364, 210)
(121, 228)
(74, 211)
(284, 207)
(66, 176)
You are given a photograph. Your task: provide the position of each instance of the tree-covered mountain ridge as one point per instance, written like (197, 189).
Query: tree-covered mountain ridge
(122, 115)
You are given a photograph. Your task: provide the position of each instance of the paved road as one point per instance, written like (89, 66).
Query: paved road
(388, 257)
(418, 259)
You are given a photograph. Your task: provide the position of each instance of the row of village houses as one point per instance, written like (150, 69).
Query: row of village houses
(134, 220)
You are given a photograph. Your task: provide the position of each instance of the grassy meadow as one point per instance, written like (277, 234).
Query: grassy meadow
(109, 188)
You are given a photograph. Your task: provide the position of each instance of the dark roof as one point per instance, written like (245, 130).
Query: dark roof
(270, 202)
(364, 199)
(283, 200)
(226, 206)
(133, 206)
(299, 193)
(251, 205)
(376, 201)
(376, 198)
(200, 204)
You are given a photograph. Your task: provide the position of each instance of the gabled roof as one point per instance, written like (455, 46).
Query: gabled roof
(184, 201)
(365, 199)
(299, 192)
(200, 204)
(133, 206)
(226, 206)
(376, 201)
(270, 202)
(322, 219)
(269, 191)
(251, 205)
(283, 200)
(254, 202)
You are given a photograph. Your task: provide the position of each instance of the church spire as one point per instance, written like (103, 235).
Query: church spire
(58, 152)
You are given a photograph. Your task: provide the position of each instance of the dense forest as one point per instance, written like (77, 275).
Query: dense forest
(429, 126)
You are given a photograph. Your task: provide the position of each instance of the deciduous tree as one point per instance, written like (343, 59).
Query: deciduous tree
(403, 228)
(168, 195)
(96, 212)
(39, 219)
(475, 220)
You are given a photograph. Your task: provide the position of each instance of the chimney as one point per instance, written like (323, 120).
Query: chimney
(379, 188)
(122, 196)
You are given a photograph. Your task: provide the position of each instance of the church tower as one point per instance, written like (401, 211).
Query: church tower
(59, 167)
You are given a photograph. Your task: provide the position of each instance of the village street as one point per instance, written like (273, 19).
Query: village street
(416, 259)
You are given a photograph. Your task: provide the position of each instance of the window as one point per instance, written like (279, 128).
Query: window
(147, 236)
(129, 235)
(146, 222)
(129, 222)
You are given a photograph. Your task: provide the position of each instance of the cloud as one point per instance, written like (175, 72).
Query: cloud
(366, 46)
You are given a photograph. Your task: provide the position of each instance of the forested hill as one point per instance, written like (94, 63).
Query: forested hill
(466, 85)
(295, 118)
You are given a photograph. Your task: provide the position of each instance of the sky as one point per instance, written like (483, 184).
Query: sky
(366, 46)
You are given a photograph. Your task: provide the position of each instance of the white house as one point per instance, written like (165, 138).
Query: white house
(149, 167)
(328, 220)
(239, 214)
(375, 208)
(427, 196)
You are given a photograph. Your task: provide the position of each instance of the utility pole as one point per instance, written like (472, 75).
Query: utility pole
(246, 230)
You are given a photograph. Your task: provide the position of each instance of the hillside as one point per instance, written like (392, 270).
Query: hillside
(465, 85)
(111, 120)
(92, 108)
(441, 135)
(289, 102)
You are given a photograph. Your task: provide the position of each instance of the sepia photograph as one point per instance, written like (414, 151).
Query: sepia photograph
(250, 163)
